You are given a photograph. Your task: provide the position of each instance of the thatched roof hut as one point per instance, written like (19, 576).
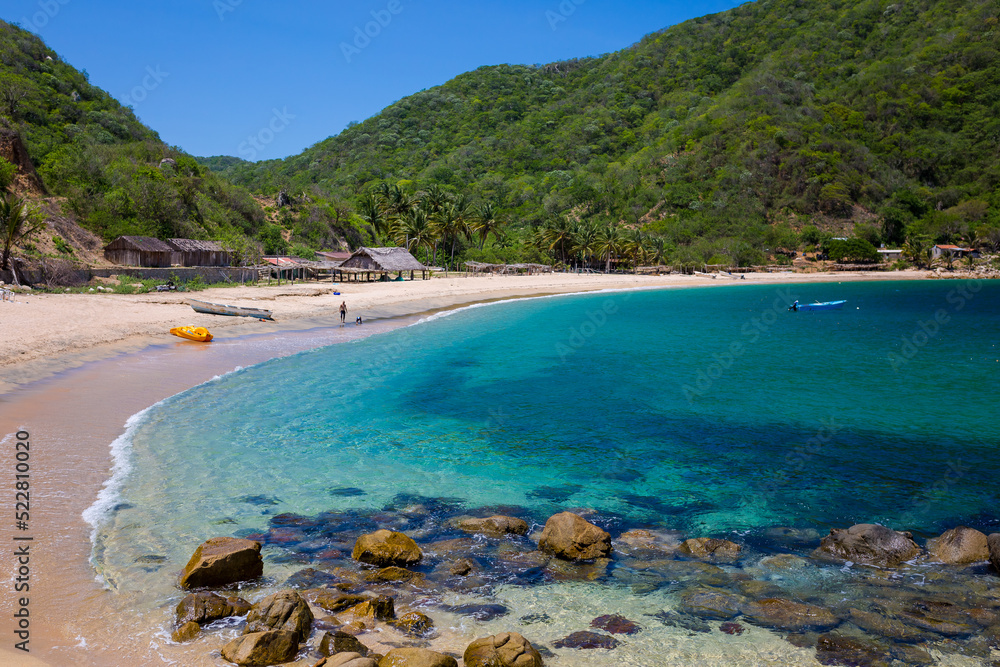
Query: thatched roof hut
(371, 261)
(188, 252)
(139, 251)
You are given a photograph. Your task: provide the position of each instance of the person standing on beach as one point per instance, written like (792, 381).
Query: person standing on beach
(343, 312)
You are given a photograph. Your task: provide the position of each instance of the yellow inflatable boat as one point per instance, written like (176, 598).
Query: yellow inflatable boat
(199, 334)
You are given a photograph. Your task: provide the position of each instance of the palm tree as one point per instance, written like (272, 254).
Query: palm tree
(586, 242)
(416, 229)
(561, 235)
(658, 248)
(17, 223)
(372, 212)
(610, 242)
(487, 223)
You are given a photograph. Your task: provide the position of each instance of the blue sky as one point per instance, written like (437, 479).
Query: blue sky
(209, 75)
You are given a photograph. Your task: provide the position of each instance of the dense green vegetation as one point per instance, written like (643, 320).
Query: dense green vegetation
(730, 139)
(726, 136)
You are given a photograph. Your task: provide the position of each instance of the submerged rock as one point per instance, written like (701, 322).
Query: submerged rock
(884, 626)
(707, 547)
(382, 608)
(616, 625)
(312, 578)
(833, 649)
(675, 619)
(413, 623)
(480, 612)
(570, 537)
(272, 647)
(587, 640)
(281, 611)
(781, 614)
(508, 649)
(868, 544)
(383, 548)
(186, 632)
(959, 546)
(712, 604)
(731, 628)
(221, 561)
(334, 601)
(495, 526)
(416, 657)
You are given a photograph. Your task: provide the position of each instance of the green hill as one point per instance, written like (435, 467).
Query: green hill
(725, 134)
(116, 175)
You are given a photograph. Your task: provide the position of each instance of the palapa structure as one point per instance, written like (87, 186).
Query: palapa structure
(507, 269)
(188, 252)
(378, 263)
(139, 251)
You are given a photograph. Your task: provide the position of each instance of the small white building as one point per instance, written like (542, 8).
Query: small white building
(890, 255)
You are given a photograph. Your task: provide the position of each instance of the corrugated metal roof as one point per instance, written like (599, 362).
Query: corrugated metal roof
(190, 245)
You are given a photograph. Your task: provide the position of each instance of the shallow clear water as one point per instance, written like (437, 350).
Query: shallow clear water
(709, 411)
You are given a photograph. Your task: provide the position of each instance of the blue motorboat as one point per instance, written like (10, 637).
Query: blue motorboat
(826, 305)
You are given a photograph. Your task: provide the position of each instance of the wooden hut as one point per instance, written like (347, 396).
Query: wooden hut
(188, 252)
(379, 262)
(139, 251)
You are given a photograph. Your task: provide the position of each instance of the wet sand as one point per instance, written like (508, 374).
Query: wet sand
(73, 414)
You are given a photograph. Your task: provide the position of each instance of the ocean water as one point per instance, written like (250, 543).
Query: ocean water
(708, 412)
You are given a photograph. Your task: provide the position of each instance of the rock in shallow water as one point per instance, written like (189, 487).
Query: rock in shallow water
(993, 543)
(571, 537)
(262, 648)
(508, 649)
(416, 657)
(383, 548)
(731, 628)
(340, 642)
(587, 640)
(832, 649)
(868, 544)
(221, 561)
(616, 625)
(286, 611)
(781, 614)
(204, 607)
(959, 546)
(707, 547)
(713, 604)
(495, 526)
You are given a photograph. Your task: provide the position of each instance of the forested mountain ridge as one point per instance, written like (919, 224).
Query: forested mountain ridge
(712, 131)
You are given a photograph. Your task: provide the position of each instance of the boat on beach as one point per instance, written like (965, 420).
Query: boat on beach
(826, 305)
(232, 311)
(200, 334)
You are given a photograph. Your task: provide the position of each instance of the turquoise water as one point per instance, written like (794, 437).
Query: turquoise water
(711, 411)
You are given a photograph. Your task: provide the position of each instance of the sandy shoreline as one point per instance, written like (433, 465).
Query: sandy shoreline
(73, 415)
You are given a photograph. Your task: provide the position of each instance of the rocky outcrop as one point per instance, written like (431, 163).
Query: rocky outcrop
(413, 623)
(384, 548)
(416, 657)
(868, 544)
(959, 546)
(381, 608)
(993, 543)
(281, 611)
(508, 649)
(707, 547)
(26, 180)
(262, 648)
(222, 561)
(571, 537)
(495, 526)
(204, 607)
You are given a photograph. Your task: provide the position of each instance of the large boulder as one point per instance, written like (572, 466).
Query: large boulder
(347, 660)
(780, 614)
(204, 607)
(959, 546)
(222, 561)
(416, 657)
(571, 537)
(993, 542)
(508, 649)
(273, 647)
(281, 611)
(385, 547)
(708, 547)
(495, 526)
(381, 608)
(712, 603)
(868, 544)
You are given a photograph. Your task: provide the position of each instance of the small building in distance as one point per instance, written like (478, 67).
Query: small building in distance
(338, 257)
(139, 251)
(382, 261)
(890, 254)
(187, 252)
(953, 250)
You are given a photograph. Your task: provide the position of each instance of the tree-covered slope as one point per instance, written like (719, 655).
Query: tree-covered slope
(89, 149)
(716, 128)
